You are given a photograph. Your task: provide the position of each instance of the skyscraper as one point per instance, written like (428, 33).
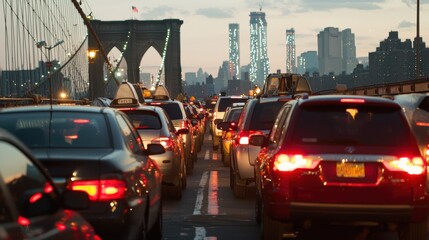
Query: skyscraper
(329, 49)
(290, 51)
(337, 51)
(349, 51)
(234, 49)
(259, 63)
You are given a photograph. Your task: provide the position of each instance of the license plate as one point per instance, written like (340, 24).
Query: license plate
(351, 170)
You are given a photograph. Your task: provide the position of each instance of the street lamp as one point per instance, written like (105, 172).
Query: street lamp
(49, 63)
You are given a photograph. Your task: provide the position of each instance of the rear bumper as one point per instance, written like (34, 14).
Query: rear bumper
(347, 212)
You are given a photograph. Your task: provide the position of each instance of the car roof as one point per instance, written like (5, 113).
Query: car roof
(40, 108)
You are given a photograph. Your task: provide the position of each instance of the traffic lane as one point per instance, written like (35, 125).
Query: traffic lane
(235, 217)
(208, 209)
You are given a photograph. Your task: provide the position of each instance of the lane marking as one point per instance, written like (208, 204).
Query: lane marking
(200, 194)
(213, 207)
(200, 233)
(207, 155)
(215, 158)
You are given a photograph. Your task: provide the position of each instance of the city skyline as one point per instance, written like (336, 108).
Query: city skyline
(206, 25)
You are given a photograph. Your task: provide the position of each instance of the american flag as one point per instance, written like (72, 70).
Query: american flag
(135, 9)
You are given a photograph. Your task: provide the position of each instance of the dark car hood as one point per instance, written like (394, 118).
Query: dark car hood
(63, 163)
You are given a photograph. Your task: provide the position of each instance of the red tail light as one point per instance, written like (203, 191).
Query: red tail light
(288, 162)
(184, 125)
(101, 190)
(243, 137)
(166, 142)
(413, 166)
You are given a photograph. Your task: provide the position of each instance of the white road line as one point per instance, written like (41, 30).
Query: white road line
(213, 207)
(200, 194)
(200, 233)
(207, 155)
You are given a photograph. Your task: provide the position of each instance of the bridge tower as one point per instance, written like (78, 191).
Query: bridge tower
(143, 35)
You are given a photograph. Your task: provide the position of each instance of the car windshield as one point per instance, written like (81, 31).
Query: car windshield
(65, 129)
(339, 126)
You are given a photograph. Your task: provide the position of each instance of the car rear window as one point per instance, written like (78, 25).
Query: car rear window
(226, 102)
(142, 119)
(234, 115)
(369, 126)
(173, 110)
(264, 115)
(66, 129)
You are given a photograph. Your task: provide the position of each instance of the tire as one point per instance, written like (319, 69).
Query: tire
(239, 189)
(258, 208)
(176, 191)
(156, 232)
(231, 178)
(184, 179)
(190, 165)
(414, 231)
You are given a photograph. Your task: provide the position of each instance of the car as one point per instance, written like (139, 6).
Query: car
(192, 116)
(96, 150)
(228, 126)
(31, 206)
(154, 126)
(257, 117)
(219, 110)
(176, 112)
(340, 159)
(416, 108)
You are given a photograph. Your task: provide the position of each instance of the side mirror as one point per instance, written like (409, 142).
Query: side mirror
(224, 126)
(154, 149)
(182, 131)
(216, 121)
(257, 140)
(194, 122)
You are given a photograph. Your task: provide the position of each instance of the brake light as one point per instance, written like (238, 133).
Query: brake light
(155, 103)
(352, 100)
(81, 121)
(166, 142)
(413, 166)
(243, 137)
(288, 163)
(100, 190)
(184, 125)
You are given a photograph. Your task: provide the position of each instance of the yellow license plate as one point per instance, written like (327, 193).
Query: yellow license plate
(350, 170)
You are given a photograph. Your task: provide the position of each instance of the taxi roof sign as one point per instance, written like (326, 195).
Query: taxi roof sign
(124, 102)
(161, 93)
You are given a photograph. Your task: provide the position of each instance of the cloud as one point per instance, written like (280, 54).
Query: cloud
(215, 12)
(161, 12)
(291, 6)
(406, 24)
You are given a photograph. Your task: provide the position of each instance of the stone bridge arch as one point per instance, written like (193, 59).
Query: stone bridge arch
(144, 34)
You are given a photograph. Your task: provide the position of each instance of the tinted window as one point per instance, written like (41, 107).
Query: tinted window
(29, 188)
(66, 129)
(144, 119)
(173, 110)
(129, 134)
(264, 115)
(340, 125)
(226, 102)
(233, 115)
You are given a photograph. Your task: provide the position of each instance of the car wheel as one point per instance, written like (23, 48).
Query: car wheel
(190, 165)
(176, 191)
(258, 206)
(184, 179)
(239, 187)
(414, 231)
(231, 178)
(156, 232)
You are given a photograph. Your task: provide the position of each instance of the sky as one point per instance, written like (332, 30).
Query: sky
(204, 33)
